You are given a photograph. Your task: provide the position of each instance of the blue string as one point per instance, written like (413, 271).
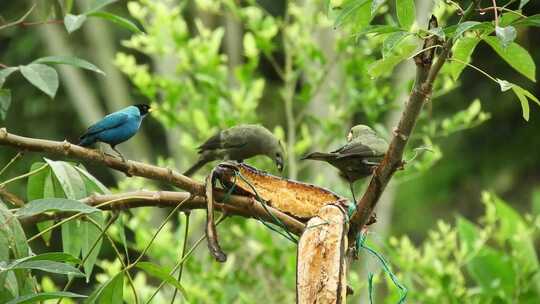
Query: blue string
(360, 243)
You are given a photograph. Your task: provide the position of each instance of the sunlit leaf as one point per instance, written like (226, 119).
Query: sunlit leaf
(375, 6)
(38, 297)
(43, 265)
(406, 13)
(73, 22)
(465, 26)
(121, 21)
(515, 55)
(42, 77)
(533, 20)
(349, 10)
(492, 270)
(110, 292)
(55, 205)
(391, 41)
(70, 60)
(462, 52)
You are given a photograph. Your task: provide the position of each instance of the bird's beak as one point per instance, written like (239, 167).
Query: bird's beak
(151, 110)
(349, 136)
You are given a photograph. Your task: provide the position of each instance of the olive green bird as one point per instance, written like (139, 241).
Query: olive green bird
(359, 157)
(239, 143)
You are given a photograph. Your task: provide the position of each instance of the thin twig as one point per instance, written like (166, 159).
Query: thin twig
(495, 12)
(156, 233)
(74, 216)
(474, 67)
(184, 259)
(20, 20)
(23, 175)
(17, 156)
(183, 254)
(119, 256)
(94, 245)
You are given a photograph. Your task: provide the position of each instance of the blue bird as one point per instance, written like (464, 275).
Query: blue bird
(116, 127)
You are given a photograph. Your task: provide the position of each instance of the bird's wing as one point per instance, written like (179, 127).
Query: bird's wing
(354, 149)
(110, 121)
(224, 140)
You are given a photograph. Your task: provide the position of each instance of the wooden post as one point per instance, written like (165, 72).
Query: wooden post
(321, 269)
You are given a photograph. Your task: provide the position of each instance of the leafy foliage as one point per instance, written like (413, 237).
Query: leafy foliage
(475, 264)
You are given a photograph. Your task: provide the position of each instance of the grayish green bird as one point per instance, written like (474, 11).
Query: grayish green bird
(239, 143)
(359, 157)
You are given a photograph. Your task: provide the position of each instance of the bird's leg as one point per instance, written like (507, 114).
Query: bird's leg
(119, 154)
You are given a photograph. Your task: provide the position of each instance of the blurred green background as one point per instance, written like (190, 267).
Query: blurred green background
(208, 65)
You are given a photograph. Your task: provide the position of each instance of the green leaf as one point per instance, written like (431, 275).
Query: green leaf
(69, 178)
(89, 235)
(41, 185)
(533, 20)
(73, 22)
(70, 60)
(392, 41)
(506, 34)
(468, 234)
(387, 64)
(5, 72)
(524, 103)
(110, 292)
(406, 13)
(524, 96)
(42, 77)
(379, 29)
(515, 55)
(54, 205)
(375, 6)
(462, 51)
(5, 102)
(91, 183)
(48, 266)
(37, 297)
(53, 256)
(36, 182)
(99, 4)
(349, 10)
(121, 21)
(464, 26)
(522, 3)
(493, 271)
(162, 274)
(72, 237)
(12, 233)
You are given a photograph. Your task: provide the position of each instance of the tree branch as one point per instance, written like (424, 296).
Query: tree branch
(236, 205)
(129, 167)
(232, 204)
(426, 73)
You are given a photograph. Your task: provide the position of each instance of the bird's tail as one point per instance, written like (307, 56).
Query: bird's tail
(318, 156)
(86, 140)
(199, 164)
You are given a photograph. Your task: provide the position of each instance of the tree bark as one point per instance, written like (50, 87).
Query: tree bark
(321, 268)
